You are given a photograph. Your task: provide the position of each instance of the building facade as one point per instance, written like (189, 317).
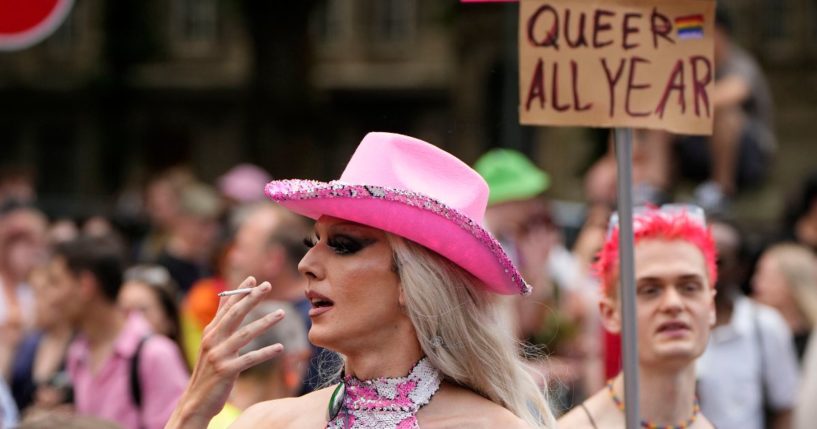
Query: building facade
(127, 88)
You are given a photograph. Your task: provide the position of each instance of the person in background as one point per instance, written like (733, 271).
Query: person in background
(800, 217)
(269, 243)
(601, 359)
(17, 185)
(521, 218)
(737, 156)
(23, 246)
(268, 246)
(786, 280)
(243, 184)
(675, 277)
(65, 421)
(651, 171)
(554, 316)
(280, 377)
(87, 274)
(150, 291)
(98, 226)
(522, 221)
(805, 413)
(743, 142)
(749, 368)
(38, 376)
(192, 237)
(199, 305)
(61, 230)
(161, 204)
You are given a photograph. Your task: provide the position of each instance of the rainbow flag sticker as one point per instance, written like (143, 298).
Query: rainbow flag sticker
(690, 27)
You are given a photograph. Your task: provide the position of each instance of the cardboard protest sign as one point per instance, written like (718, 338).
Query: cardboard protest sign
(617, 63)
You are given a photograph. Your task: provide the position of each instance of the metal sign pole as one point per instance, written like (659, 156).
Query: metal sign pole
(626, 246)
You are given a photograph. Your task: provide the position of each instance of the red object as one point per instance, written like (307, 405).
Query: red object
(201, 303)
(612, 354)
(24, 23)
(655, 222)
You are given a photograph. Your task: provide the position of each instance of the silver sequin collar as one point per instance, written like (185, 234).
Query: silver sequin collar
(387, 403)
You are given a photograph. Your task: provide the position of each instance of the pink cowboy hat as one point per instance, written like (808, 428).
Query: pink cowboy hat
(415, 190)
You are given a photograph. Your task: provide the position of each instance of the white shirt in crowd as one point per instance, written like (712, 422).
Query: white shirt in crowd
(733, 376)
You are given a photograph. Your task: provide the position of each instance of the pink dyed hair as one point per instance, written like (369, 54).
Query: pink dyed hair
(654, 223)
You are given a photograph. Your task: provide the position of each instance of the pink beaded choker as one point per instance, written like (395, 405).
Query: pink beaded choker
(384, 403)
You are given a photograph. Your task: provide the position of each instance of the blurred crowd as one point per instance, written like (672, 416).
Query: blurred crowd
(757, 370)
(98, 323)
(101, 317)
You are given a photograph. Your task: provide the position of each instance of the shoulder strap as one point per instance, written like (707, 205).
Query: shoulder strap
(135, 383)
(764, 385)
(589, 416)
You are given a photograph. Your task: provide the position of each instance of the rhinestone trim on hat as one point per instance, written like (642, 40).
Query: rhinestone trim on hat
(294, 189)
(387, 403)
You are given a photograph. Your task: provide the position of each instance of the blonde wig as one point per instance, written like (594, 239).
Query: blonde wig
(458, 325)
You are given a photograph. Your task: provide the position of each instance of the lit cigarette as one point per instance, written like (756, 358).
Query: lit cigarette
(236, 291)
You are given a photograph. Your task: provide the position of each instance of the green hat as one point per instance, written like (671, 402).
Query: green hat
(510, 176)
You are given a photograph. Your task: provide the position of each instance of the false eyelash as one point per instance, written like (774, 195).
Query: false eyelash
(309, 242)
(343, 245)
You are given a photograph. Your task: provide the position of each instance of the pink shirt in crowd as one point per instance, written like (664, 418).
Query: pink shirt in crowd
(107, 394)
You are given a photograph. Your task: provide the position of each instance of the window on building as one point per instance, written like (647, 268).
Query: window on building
(812, 23)
(395, 21)
(62, 43)
(194, 25)
(328, 21)
(778, 20)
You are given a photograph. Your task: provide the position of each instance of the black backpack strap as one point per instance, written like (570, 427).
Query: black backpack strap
(135, 383)
(768, 411)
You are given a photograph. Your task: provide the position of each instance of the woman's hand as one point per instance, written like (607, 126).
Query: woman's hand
(219, 363)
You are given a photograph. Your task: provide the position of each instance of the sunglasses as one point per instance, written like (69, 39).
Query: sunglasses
(667, 211)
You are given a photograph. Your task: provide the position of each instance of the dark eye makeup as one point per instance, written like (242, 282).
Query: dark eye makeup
(340, 243)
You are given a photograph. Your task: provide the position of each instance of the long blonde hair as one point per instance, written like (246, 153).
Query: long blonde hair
(459, 329)
(798, 265)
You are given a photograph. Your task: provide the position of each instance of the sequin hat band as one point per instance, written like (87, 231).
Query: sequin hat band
(413, 189)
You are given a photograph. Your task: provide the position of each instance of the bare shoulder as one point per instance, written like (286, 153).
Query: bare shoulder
(597, 411)
(575, 418)
(308, 411)
(455, 407)
(704, 423)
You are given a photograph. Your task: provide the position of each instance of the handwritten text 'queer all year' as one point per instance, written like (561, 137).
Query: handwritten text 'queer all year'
(620, 33)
